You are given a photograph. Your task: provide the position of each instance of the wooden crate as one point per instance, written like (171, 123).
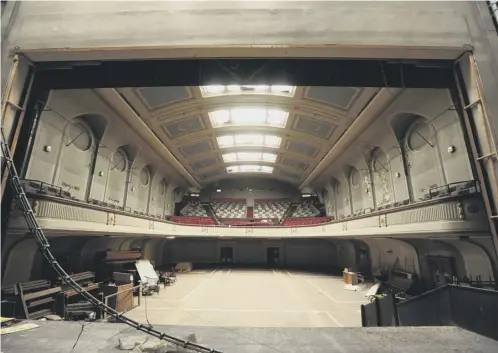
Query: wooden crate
(350, 278)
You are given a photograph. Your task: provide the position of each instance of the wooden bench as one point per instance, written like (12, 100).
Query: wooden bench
(84, 279)
(35, 299)
(66, 306)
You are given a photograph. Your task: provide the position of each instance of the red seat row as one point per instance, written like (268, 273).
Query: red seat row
(193, 220)
(304, 221)
(246, 222)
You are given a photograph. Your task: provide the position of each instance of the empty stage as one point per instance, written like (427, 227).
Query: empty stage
(253, 298)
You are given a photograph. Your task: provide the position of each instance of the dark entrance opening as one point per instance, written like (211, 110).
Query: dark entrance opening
(226, 255)
(272, 256)
(441, 267)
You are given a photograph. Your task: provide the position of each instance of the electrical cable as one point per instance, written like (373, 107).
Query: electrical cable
(44, 247)
(145, 299)
(146, 316)
(79, 335)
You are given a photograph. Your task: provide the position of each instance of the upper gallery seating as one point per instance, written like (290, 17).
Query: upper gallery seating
(230, 208)
(227, 210)
(194, 209)
(458, 188)
(272, 208)
(250, 222)
(304, 221)
(193, 220)
(305, 209)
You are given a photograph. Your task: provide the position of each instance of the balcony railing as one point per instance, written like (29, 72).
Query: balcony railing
(41, 190)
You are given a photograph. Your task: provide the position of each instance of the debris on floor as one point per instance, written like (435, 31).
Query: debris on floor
(53, 317)
(351, 287)
(147, 344)
(5, 320)
(17, 328)
(129, 342)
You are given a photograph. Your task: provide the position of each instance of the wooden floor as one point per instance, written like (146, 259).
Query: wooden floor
(253, 298)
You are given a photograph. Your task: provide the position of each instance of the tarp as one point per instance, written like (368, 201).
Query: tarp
(183, 267)
(146, 272)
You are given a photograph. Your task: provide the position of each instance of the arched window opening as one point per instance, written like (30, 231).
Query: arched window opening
(422, 157)
(381, 177)
(118, 177)
(78, 151)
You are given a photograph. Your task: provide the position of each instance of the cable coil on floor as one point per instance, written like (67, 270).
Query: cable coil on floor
(44, 247)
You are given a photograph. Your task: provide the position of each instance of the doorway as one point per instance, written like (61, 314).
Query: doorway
(440, 268)
(226, 255)
(272, 256)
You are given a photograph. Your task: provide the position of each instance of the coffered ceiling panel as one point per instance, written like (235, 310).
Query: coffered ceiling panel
(204, 163)
(196, 148)
(289, 175)
(278, 131)
(292, 162)
(340, 97)
(314, 127)
(183, 126)
(155, 97)
(211, 174)
(302, 148)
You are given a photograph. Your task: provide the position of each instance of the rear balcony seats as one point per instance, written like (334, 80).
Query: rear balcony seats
(230, 208)
(270, 208)
(194, 209)
(305, 210)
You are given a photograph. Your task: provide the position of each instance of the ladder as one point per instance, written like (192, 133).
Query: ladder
(44, 246)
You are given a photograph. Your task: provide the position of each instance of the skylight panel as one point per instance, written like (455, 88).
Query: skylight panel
(283, 89)
(217, 90)
(241, 140)
(249, 117)
(225, 141)
(220, 117)
(248, 140)
(250, 168)
(250, 157)
(269, 157)
(277, 117)
(230, 157)
(272, 141)
(212, 89)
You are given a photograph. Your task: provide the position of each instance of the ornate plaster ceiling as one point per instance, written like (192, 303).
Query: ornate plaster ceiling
(316, 119)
